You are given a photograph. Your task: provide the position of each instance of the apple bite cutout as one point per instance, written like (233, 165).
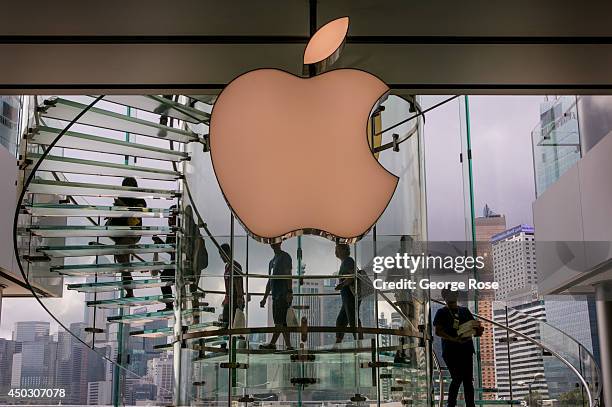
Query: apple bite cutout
(292, 157)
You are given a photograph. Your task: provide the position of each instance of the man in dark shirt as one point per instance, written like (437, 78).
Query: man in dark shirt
(282, 293)
(347, 287)
(168, 274)
(127, 241)
(456, 351)
(238, 296)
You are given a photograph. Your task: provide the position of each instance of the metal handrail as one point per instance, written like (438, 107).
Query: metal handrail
(580, 346)
(302, 329)
(438, 367)
(542, 346)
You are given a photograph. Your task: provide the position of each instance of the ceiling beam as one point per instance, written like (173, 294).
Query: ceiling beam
(441, 47)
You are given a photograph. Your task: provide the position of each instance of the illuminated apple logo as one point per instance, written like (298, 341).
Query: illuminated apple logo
(291, 154)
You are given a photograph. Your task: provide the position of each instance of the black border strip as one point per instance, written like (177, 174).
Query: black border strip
(392, 86)
(296, 39)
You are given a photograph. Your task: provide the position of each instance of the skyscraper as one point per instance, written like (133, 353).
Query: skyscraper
(29, 331)
(523, 357)
(7, 350)
(160, 372)
(514, 261)
(34, 365)
(99, 393)
(487, 226)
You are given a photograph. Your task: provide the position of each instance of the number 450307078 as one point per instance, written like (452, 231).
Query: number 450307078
(37, 393)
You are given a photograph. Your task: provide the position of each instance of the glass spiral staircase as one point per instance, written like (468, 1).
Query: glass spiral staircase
(134, 280)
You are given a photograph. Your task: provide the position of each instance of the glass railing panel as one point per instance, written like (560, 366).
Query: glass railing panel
(555, 379)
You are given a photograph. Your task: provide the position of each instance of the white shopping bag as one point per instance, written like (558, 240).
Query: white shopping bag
(291, 318)
(239, 320)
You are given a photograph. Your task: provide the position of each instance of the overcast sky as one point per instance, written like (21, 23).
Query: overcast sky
(503, 178)
(501, 155)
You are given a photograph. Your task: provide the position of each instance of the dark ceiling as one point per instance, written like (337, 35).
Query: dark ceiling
(197, 46)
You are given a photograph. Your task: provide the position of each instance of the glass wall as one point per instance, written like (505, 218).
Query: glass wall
(380, 356)
(190, 328)
(556, 141)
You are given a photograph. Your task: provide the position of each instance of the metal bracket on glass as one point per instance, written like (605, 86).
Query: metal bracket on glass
(234, 365)
(358, 398)
(25, 163)
(47, 103)
(386, 376)
(246, 399)
(395, 142)
(94, 330)
(303, 381)
(306, 357)
(34, 259)
(304, 329)
(199, 383)
(30, 133)
(205, 140)
(370, 365)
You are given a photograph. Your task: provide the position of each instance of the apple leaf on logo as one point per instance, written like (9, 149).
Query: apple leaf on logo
(326, 41)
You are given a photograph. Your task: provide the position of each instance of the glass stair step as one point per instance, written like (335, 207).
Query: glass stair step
(131, 302)
(111, 268)
(106, 286)
(161, 332)
(145, 317)
(99, 231)
(103, 250)
(153, 333)
(163, 347)
(69, 210)
(207, 341)
(208, 99)
(41, 186)
(44, 135)
(168, 346)
(62, 109)
(91, 167)
(160, 105)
